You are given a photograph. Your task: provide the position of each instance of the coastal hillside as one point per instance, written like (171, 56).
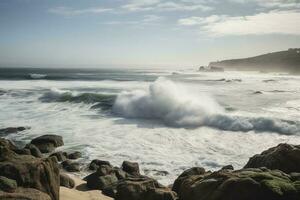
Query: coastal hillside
(282, 61)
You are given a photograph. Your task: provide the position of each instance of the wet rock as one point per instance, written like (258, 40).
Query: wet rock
(295, 176)
(284, 157)
(120, 173)
(66, 181)
(71, 166)
(94, 180)
(34, 150)
(30, 172)
(7, 144)
(143, 189)
(9, 130)
(7, 185)
(95, 164)
(23, 151)
(228, 167)
(101, 182)
(131, 168)
(47, 143)
(25, 194)
(74, 155)
(187, 174)
(246, 184)
(61, 156)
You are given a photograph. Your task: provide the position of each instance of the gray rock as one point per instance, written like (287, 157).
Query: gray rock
(284, 157)
(71, 166)
(75, 155)
(228, 167)
(131, 168)
(47, 143)
(95, 164)
(246, 184)
(66, 181)
(29, 171)
(25, 194)
(61, 156)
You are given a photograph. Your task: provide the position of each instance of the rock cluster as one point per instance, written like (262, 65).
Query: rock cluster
(28, 173)
(26, 176)
(126, 183)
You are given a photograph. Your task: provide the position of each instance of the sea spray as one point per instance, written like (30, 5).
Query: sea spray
(178, 106)
(167, 101)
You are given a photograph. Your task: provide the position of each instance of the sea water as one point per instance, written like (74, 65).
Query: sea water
(165, 120)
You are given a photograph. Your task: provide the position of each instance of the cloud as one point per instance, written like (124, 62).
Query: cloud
(273, 22)
(66, 11)
(273, 4)
(145, 20)
(169, 5)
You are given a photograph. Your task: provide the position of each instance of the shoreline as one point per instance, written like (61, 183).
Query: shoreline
(38, 171)
(80, 191)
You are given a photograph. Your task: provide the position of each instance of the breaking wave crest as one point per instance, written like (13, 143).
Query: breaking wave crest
(177, 106)
(38, 76)
(57, 95)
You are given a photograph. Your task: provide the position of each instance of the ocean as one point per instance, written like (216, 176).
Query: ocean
(166, 120)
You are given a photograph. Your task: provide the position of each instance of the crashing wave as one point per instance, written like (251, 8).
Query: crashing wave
(38, 76)
(178, 107)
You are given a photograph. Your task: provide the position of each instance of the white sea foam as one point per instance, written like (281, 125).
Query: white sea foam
(178, 106)
(170, 102)
(38, 76)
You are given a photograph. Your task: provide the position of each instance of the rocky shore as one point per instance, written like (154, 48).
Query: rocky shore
(37, 171)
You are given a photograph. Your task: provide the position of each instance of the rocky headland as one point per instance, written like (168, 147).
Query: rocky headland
(37, 171)
(281, 61)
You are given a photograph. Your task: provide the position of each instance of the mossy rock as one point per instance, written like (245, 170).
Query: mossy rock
(7, 185)
(246, 184)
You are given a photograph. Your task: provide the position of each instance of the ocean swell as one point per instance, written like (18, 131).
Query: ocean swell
(177, 106)
(57, 95)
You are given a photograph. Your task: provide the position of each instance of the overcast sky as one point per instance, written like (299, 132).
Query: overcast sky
(169, 33)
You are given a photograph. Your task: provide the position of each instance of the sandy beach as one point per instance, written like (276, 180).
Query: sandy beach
(80, 192)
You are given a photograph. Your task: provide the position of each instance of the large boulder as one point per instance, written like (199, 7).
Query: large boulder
(131, 168)
(284, 157)
(187, 174)
(60, 155)
(30, 172)
(102, 178)
(75, 155)
(95, 164)
(24, 194)
(246, 184)
(71, 166)
(143, 189)
(34, 150)
(66, 181)
(47, 143)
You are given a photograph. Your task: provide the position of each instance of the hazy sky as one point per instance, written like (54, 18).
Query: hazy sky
(143, 32)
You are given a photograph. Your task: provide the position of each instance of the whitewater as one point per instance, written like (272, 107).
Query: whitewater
(164, 119)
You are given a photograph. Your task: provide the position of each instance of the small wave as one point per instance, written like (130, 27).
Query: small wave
(38, 76)
(178, 107)
(57, 95)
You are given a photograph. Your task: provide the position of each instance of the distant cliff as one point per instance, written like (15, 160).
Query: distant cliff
(282, 61)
